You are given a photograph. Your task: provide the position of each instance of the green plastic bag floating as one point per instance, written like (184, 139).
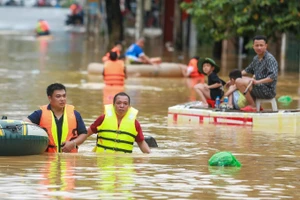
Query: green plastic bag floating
(224, 158)
(285, 100)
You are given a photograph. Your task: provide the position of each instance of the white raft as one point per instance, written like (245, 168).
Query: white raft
(279, 121)
(142, 70)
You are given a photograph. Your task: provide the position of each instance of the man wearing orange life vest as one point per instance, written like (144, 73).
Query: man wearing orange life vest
(118, 128)
(42, 28)
(64, 125)
(191, 70)
(114, 72)
(117, 48)
(193, 76)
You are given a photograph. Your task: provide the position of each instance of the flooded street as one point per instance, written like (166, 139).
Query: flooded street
(177, 169)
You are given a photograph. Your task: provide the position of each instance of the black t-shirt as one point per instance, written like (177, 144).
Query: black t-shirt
(214, 92)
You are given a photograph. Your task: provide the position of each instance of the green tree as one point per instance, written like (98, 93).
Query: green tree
(224, 19)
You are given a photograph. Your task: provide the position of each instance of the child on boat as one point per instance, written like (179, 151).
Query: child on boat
(236, 100)
(214, 88)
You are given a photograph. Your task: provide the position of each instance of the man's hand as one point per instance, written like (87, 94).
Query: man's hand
(68, 146)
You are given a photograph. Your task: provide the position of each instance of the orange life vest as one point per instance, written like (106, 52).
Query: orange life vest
(69, 126)
(58, 170)
(106, 57)
(42, 27)
(193, 62)
(114, 72)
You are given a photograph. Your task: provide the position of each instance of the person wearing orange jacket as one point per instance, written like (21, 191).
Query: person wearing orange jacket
(117, 48)
(193, 76)
(191, 70)
(42, 28)
(64, 125)
(114, 72)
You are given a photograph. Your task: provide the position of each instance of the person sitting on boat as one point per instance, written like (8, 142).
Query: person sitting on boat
(64, 125)
(214, 88)
(236, 99)
(118, 129)
(264, 67)
(135, 54)
(117, 48)
(114, 72)
(42, 28)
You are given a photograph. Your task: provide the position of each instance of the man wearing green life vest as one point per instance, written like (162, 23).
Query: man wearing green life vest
(117, 128)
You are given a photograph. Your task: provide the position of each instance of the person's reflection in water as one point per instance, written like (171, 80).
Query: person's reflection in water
(191, 82)
(116, 178)
(58, 174)
(109, 92)
(43, 50)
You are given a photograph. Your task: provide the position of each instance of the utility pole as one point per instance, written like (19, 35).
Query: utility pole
(139, 19)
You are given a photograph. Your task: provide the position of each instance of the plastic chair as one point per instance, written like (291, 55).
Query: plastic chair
(272, 101)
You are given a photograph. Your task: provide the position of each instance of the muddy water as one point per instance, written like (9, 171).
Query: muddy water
(178, 169)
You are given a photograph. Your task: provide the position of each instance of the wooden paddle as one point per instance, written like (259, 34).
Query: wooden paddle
(248, 86)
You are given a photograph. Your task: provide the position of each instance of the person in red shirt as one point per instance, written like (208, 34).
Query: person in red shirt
(118, 128)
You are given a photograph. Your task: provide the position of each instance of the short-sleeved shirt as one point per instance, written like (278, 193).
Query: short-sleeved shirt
(266, 67)
(215, 92)
(35, 118)
(139, 137)
(135, 51)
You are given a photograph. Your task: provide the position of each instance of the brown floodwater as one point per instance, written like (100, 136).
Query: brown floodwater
(177, 169)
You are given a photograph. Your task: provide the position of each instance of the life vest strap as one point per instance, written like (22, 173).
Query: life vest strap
(114, 149)
(115, 140)
(117, 131)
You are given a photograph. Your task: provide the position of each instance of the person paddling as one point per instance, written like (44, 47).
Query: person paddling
(135, 54)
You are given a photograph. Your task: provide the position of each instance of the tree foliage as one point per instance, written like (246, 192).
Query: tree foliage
(222, 19)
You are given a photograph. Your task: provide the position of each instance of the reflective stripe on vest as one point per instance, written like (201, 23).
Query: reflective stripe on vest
(69, 126)
(111, 138)
(193, 62)
(114, 72)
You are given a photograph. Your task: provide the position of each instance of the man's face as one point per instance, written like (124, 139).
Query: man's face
(58, 99)
(121, 105)
(260, 47)
(119, 47)
(141, 43)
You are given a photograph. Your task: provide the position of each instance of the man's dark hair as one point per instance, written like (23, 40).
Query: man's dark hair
(260, 37)
(55, 86)
(196, 57)
(118, 43)
(113, 55)
(234, 74)
(121, 94)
